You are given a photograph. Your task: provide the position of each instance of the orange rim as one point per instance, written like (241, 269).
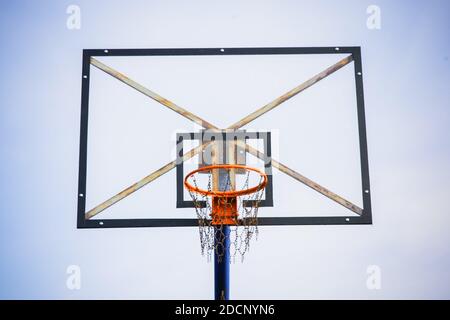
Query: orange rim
(260, 186)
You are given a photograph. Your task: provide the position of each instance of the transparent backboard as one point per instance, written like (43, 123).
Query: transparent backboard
(136, 102)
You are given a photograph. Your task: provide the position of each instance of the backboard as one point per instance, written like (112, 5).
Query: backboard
(297, 113)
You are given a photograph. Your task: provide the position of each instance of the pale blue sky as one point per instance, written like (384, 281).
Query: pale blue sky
(406, 78)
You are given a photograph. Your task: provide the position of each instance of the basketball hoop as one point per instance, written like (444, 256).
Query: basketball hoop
(222, 204)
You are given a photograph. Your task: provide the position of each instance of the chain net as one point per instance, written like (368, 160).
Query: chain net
(213, 238)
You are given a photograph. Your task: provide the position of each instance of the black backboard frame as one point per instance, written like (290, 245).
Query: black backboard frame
(364, 218)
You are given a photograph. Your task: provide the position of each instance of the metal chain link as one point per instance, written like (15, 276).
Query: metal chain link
(241, 234)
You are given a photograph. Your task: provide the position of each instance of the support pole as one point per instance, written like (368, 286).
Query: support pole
(222, 263)
(221, 233)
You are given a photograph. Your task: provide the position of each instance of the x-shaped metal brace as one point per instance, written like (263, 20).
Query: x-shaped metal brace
(207, 125)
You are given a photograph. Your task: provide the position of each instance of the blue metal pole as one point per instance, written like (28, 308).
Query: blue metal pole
(222, 263)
